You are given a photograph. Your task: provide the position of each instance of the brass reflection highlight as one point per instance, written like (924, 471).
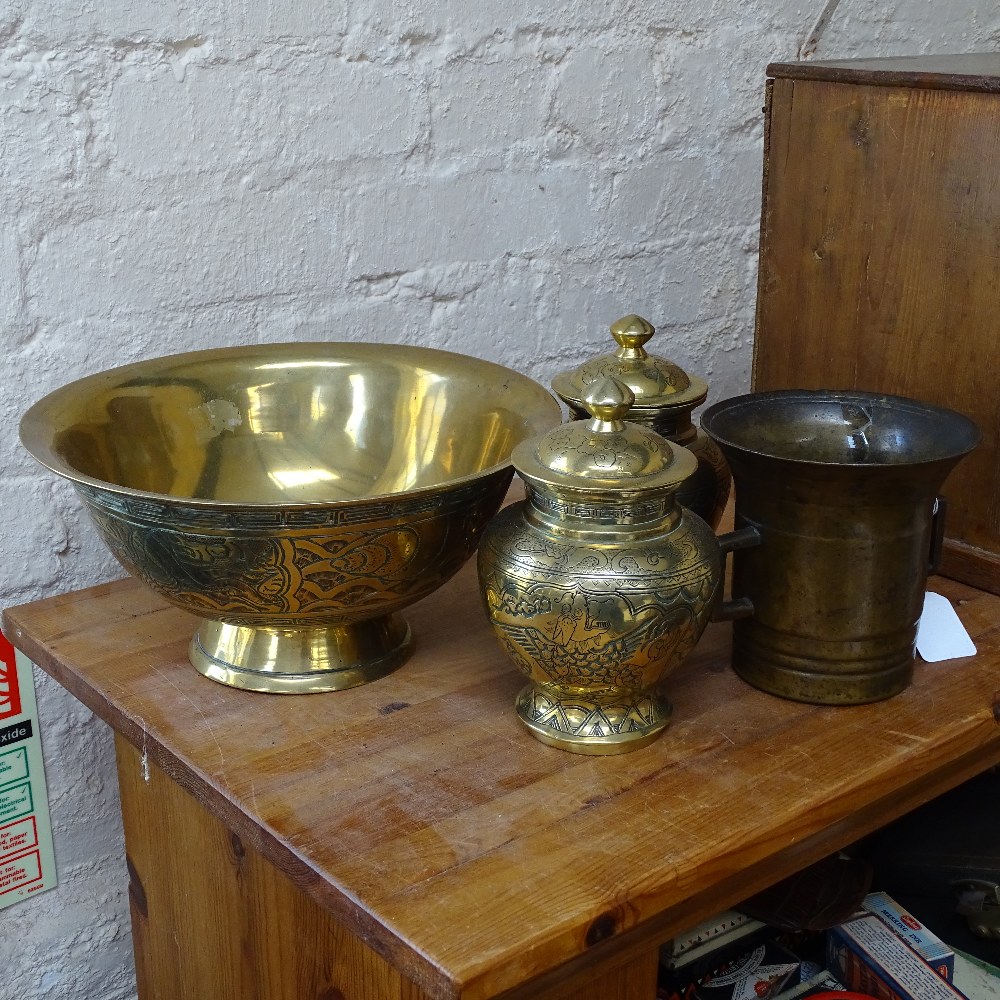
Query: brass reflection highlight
(294, 497)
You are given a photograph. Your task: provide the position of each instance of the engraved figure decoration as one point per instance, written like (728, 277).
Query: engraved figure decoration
(599, 583)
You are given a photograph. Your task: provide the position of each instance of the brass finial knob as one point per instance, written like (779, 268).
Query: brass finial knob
(607, 401)
(631, 332)
(658, 384)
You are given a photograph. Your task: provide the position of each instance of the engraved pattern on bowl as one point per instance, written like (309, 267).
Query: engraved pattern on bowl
(293, 496)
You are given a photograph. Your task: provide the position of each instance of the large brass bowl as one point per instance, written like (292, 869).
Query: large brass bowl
(292, 496)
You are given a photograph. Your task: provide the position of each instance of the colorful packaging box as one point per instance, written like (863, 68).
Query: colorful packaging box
(821, 982)
(752, 976)
(925, 943)
(690, 957)
(728, 931)
(867, 956)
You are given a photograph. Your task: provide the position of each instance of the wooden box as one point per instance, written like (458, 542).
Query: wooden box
(880, 253)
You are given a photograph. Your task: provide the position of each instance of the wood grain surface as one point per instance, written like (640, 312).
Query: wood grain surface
(968, 71)
(212, 918)
(474, 860)
(880, 235)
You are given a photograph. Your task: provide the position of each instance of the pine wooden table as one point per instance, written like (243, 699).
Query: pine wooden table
(408, 840)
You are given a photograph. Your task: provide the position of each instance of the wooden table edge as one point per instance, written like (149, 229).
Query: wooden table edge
(769, 866)
(343, 905)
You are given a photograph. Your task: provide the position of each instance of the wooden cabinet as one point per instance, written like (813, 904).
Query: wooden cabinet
(880, 243)
(408, 840)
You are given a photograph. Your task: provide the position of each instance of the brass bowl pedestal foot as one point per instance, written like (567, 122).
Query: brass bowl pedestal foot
(303, 660)
(616, 724)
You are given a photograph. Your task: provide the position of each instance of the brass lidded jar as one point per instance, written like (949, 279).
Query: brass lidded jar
(599, 583)
(665, 396)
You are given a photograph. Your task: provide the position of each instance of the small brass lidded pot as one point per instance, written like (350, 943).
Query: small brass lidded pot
(599, 583)
(665, 396)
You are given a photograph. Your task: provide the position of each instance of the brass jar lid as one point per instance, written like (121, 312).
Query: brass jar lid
(605, 452)
(655, 382)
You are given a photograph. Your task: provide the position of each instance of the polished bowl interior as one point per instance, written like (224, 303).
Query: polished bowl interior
(287, 424)
(293, 496)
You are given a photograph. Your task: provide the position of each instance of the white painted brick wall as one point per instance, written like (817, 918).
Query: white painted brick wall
(500, 177)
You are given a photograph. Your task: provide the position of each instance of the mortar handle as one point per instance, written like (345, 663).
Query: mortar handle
(738, 607)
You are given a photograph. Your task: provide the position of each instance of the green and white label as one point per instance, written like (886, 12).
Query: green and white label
(27, 865)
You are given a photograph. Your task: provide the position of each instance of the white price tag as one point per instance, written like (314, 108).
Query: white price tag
(940, 633)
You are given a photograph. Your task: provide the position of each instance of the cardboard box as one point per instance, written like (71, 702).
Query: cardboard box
(728, 932)
(690, 957)
(822, 982)
(752, 976)
(906, 926)
(867, 956)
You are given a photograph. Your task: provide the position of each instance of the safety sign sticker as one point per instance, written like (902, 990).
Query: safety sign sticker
(27, 865)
